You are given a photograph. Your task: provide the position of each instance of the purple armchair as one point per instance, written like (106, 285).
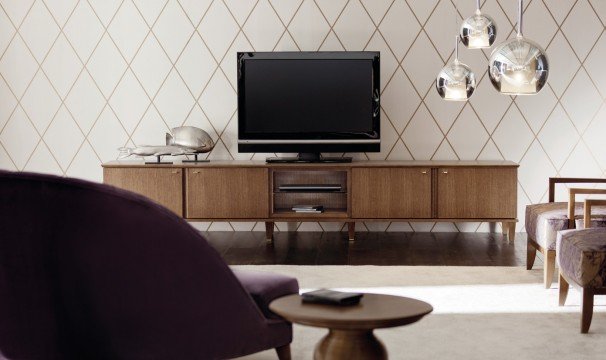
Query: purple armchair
(88, 271)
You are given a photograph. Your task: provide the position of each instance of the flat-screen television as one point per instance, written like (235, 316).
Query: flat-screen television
(308, 103)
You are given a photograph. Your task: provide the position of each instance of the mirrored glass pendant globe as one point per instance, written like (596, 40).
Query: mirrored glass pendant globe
(518, 66)
(456, 81)
(478, 31)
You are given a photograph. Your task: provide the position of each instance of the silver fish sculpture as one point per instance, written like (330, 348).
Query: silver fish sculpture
(190, 137)
(149, 150)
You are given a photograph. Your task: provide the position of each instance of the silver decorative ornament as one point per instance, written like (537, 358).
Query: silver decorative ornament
(184, 140)
(518, 66)
(190, 137)
(456, 81)
(478, 31)
(154, 150)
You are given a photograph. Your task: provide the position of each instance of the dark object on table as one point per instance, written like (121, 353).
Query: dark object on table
(89, 271)
(331, 297)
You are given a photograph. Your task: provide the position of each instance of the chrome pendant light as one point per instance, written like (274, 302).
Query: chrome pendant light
(478, 31)
(456, 81)
(518, 66)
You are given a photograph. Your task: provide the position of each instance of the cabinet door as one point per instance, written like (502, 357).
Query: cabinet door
(162, 185)
(480, 193)
(391, 193)
(227, 193)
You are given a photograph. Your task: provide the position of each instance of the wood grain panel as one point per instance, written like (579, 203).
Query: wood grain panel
(467, 193)
(394, 193)
(162, 185)
(227, 193)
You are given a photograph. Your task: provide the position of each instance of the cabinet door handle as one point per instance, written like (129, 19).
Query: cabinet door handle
(445, 172)
(424, 172)
(196, 172)
(175, 172)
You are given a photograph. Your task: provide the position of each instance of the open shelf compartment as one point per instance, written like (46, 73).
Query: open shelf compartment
(311, 177)
(335, 202)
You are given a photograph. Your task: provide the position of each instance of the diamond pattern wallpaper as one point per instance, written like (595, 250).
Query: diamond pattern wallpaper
(81, 78)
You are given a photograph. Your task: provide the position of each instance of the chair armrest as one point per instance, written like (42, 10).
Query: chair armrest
(588, 204)
(572, 200)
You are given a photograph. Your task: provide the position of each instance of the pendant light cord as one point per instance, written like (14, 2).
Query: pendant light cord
(520, 11)
(456, 22)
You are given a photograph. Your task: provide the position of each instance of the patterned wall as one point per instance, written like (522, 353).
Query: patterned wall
(80, 78)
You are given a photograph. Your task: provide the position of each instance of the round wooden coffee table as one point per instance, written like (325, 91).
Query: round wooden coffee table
(350, 334)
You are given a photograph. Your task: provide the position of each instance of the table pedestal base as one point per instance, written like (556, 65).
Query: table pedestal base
(350, 345)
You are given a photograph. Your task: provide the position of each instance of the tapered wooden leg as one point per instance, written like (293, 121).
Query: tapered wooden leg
(563, 285)
(283, 352)
(549, 268)
(586, 310)
(269, 231)
(511, 233)
(509, 229)
(351, 229)
(531, 255)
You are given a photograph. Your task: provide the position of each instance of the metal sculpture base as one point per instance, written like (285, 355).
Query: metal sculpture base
(158, 161)
(195, 160)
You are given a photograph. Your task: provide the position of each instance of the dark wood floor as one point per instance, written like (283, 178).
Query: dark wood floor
(373, 248)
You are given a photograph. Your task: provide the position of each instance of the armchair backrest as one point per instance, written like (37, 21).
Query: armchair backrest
(553, 181)
(93, 272)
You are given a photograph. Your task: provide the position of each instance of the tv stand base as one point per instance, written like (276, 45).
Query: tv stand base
(509, 230)
(351, 231)
(371, 191)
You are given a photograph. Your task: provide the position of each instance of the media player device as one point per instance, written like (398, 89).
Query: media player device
(310, 187)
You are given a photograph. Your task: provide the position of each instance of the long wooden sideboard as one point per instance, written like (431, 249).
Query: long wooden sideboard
(453, 191)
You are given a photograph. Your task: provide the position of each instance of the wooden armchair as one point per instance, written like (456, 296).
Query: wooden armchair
(544, 221)
(581, 256)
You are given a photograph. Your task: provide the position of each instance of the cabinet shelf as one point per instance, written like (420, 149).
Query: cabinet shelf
(309, 192)
(330, 200)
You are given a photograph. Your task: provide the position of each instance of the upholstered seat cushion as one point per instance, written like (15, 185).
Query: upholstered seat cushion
(543, 221)
(265, 287)
(581, 256)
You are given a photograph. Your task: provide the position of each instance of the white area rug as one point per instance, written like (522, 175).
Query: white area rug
(479, 313)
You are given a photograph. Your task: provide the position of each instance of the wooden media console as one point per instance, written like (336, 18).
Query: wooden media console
(453, 191)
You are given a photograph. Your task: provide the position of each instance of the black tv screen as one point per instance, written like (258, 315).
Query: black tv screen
(308, 96)
(302, 102)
